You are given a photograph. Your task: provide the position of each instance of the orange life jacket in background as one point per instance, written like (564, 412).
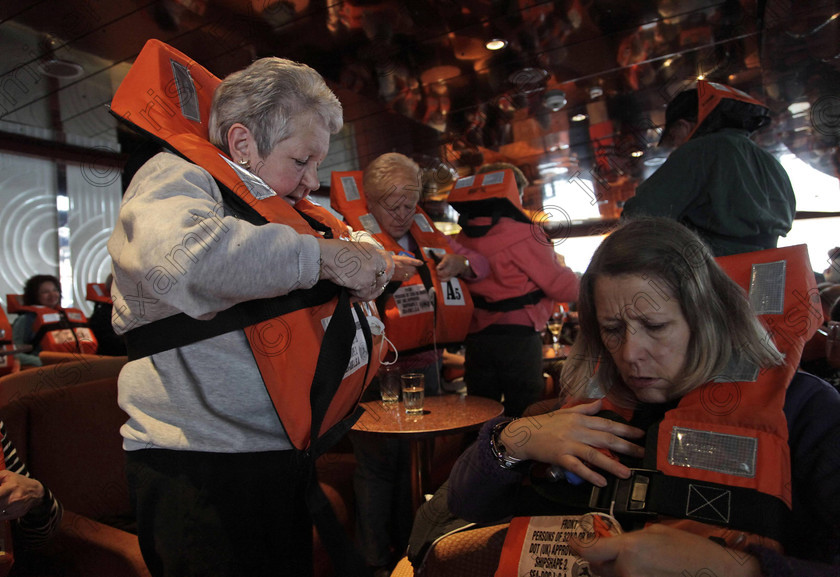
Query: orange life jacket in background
(63, 330)
(98, 292)
(722, 454)
(739, 108)
(8, 363)
(492, 194)
(422, 312)
(167, 96)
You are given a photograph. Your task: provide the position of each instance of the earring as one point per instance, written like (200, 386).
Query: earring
(244, 163)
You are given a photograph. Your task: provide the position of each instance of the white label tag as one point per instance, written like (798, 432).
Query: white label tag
(358, 350)
(63, 336)
(98, 290)
(369, 222)
(351, 191)
(422, 223)
(412, 300)
(546, 552)
(52, 318)
(74, 316)
(453, 294)
(84, 334)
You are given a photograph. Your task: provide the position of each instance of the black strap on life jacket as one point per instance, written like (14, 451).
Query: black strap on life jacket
(329, 372)
(495, 208)
(180, 330)
(510, 304)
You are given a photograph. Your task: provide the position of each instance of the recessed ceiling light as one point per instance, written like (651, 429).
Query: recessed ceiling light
(637, 153)
(701, 77)
(496, 44)
(579, 117)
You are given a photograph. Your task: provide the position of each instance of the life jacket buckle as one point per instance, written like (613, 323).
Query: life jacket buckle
(625, 496)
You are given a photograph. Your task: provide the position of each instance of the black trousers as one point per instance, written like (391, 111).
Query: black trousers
(505, 361)
(221, 514)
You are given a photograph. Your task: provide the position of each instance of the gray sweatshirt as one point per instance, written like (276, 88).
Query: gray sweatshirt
(175, 249)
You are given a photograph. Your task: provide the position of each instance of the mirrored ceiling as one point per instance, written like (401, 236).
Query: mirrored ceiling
(574, 91)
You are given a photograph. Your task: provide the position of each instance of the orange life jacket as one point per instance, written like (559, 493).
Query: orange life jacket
(98, 292)
(722, 454)
(421, 312)
(63, 330)
(167, 95)
(8, 363)
(492, 194)
(742, 108)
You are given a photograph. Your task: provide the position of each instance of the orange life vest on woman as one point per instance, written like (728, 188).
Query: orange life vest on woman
(63, 330)
(422, 312)
(315, 380)
(722, 461)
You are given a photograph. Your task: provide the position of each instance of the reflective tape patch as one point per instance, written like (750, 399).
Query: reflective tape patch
(351, 191)
(719, 452)
(767, 287)
(369, 222)
(422, 223)
(738, 369)
(255, 185)
(493, 178)
(186, 91)
(465, 182)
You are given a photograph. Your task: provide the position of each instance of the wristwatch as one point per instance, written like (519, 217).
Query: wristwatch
(498, 449)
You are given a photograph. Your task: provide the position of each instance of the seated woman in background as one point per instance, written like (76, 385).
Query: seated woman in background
(661, 323)
(45, 325)
(42, 290)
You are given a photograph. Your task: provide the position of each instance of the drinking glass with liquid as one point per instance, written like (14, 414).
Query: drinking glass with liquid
(413, 387)
(389, 383)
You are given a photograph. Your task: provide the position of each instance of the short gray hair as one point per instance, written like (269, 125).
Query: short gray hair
(722, 325)
(380, 174)
(265, 97)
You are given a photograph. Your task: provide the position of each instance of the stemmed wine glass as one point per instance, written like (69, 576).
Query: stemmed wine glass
(555, 326)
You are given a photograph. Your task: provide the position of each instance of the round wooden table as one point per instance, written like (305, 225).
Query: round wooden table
(442, 415)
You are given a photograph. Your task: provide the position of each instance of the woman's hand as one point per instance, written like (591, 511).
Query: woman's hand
(452, 265)
(661, 551)
(18, 494)
(360, 267)
(405, 267)
(571, 438)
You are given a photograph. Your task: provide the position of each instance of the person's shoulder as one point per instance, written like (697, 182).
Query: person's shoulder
(714, 141)
(163, 168)
(807, 390)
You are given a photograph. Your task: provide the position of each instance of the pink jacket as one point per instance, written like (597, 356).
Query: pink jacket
(522, 260)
